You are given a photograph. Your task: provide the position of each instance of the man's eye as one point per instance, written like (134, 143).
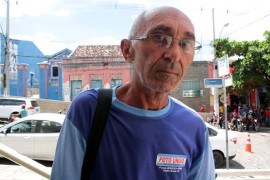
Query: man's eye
(158, 37)
(186, 43)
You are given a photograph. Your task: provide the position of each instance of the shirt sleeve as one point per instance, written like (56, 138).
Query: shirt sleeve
(68, 159)
(204, 167)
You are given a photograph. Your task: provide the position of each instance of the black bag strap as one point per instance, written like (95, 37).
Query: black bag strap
(98, 125)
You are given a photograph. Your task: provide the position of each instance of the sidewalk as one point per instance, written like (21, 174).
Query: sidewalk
(16, 172)
(252, 174)
(244, 178)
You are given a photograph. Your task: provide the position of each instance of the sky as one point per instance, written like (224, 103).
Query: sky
(54, 25)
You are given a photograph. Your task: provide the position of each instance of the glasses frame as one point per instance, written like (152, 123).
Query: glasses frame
(170, 41)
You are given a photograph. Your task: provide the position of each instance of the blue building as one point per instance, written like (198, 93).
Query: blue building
(51, 76)
(26, 78)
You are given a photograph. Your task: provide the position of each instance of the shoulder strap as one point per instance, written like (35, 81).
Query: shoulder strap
(98, 125)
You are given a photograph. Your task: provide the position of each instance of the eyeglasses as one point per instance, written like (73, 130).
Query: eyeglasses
(189, 46)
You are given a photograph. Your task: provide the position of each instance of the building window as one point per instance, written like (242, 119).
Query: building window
(96, 84)
(116, 82)
(191, 85)
(54, 72)
(192, 89)
(117, 79)
(96, 80)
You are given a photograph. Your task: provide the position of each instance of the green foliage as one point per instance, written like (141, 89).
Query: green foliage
(252, 71)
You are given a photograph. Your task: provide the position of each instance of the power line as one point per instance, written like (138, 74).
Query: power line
(247, 25)
(36, 56)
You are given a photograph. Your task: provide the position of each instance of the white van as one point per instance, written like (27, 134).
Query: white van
(10, 105)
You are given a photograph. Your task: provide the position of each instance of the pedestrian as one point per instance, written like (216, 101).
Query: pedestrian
(202, 108)
(221, 109)
(23, 111)
(148, 134)
(267, 116)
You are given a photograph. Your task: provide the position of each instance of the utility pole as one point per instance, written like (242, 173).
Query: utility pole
(216, 101)
(7, 62)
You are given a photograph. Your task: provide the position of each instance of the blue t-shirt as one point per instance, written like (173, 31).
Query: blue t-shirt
(137, 144)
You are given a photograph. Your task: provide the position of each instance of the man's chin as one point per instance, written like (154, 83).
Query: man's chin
(162, 89)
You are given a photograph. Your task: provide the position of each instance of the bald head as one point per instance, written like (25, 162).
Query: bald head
(142, 21)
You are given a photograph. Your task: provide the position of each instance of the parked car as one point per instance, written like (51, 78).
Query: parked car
(12, 105)
(34, 136)
(218, 142)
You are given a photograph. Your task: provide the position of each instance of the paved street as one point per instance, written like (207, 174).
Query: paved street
(259, 158)
(11, 171)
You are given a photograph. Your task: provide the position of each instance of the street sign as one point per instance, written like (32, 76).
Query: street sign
(213, 82)
(223, 66)
(228, 81)
(192, 93)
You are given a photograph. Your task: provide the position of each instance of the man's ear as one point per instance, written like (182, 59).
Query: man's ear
(126, 49)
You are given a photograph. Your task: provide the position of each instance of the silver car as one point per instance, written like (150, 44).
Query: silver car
(34, 136)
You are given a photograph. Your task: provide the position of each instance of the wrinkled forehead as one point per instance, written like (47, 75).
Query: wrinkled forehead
(168, 20)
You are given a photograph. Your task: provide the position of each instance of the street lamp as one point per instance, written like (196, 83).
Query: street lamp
(216, 101)
(225, 25)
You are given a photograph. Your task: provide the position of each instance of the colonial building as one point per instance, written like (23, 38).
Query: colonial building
(94, 66)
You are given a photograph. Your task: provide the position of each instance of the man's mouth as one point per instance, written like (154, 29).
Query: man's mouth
(169, 72)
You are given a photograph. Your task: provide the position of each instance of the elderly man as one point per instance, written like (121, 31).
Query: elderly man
(148, 135)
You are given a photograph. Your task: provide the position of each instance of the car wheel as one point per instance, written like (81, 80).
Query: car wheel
(218, 158)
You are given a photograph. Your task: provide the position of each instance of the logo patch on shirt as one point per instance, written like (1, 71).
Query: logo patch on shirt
(171, 162)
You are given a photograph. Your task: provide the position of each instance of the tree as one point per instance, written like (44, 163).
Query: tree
(253, 70)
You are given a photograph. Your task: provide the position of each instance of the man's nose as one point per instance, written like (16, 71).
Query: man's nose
(174, 52)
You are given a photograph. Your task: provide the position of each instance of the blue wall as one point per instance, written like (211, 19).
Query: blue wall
(42, 86)
(55, 84)
(28, 53)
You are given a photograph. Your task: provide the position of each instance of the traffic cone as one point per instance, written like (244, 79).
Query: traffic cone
(248, 144)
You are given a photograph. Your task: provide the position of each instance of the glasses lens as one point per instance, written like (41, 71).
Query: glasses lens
(162, 41)
(187, 45)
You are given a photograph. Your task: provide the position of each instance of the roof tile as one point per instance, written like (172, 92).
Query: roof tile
(97, 51)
